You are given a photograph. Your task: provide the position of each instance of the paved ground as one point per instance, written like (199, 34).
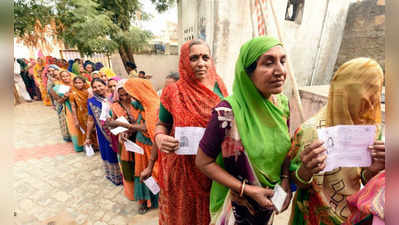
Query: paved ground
(56, 186)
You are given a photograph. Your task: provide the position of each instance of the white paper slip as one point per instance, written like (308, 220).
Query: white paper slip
(133, 147)
(122, 119)
(63, 89)
(189, 138)
(279, 197)
(347, 145)
(89, 150)
(105, 108)
(81, 130)
(118, 130)
(152, 185)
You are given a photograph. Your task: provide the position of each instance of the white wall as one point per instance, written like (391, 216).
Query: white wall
(159, 66)
(312, 45)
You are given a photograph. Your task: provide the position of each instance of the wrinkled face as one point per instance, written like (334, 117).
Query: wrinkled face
(99, 88)
(89, 68)
(65, 77)
(200, 60)
(112, 85)
(78, 84)
(123, 95)
(270, 73)
(169, 81)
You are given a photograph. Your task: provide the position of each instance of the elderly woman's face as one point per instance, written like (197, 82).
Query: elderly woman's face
(270, 73)
(200, 60)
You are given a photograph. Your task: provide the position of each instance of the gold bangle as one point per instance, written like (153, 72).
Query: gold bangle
(243, 187)
(300, 179)
(362, 177)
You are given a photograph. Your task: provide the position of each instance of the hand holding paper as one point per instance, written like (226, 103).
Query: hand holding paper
(347, 145)
(152, 185)
(279, 197)
(189, 138)
(133, 147)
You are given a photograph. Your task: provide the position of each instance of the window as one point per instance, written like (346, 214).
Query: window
(294, 11)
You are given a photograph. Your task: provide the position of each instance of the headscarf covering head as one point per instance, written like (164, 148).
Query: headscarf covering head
(70, 64)
(108, 72)
(143, 92)
(355, 93)
(54, 67)
(262, 126)
(188, 100)
(98, 66)
(115, 96)
(76, 68)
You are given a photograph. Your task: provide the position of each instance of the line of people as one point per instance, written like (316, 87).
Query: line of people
(246, 148)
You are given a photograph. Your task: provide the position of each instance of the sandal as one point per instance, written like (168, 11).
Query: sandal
(143, 209)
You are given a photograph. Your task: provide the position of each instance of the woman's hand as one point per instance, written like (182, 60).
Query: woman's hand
(313, 159)
(166, 143)
(378, 157)
(260, 195)
(146, 173)
(87, 141)
(285, 184)
(77, 125)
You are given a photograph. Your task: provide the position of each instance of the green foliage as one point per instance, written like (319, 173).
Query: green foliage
(92, 26)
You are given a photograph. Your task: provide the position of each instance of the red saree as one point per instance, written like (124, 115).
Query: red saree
(184, 197)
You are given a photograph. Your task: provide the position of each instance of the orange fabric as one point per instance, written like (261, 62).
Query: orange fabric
(142, 91)
(141, 161)
(184, 198)
(125, 155)
(79, 97)
(118, 111)
(355, 93)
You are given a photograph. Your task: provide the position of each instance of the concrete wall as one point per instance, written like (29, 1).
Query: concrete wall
(312, 45)
(364, 32)
(159, 66)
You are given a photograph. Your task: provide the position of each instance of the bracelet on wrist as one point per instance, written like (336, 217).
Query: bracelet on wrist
(300, 179)
(363, 177)
(243, 187)
(283, 176)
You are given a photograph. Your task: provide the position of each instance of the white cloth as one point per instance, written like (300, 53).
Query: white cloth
(17, 67)
(21, 88)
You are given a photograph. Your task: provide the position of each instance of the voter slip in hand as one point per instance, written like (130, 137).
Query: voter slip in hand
(118, 130)
(133, 147)
(152, 185)
(347, 145)
(189, 138)
(279, 197)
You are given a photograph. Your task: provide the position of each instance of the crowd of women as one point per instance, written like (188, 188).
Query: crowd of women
(246, 148)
